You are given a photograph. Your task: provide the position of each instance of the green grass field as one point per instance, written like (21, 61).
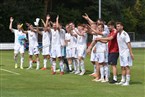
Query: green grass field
(38, 83)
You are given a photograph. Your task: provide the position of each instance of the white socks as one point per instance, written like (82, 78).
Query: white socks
(30, 64)
(115, 78)
(75, 64)
(54, 66)
(61, 66)
(95, 70)
(70, 67)
(45, 63)
(106, 69)
(82, 66)
(38, 64)
(127, 78)
(123, 78)
(22, 61)
(15, 58)
(102, 72)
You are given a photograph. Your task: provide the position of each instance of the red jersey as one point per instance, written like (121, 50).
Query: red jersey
(112, 44)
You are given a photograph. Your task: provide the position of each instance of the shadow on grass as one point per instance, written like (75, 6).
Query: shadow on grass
(1, 65)
(136, 82)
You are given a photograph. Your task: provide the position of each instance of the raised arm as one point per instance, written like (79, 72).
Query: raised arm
(11, 22)
(57, 22)
(47, 20)
(78, 32)
(86, 17)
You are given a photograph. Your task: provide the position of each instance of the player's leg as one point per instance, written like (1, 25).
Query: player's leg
(22, 60)
(69, 63)
(97, 78)
(30, 62)
(112, 60)
(44, 62)
(22, 57)
(15, 59)
(61, 65)
(82, 65)
(16, 51)
(38, 61)
(127, 68)
(59, 56)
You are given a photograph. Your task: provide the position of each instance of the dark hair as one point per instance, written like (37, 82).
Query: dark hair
(112, 23)
(101, 25)
(119, 23)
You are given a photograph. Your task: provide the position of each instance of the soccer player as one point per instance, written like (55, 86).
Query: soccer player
(20, 38)
(125, 53)
(33, 46)
(93, 52)
(112, 48)
(81, 47)
(105, 32)
(73, 48)
(101, 56)
(68, 47)
(45, 42)
(56, 47)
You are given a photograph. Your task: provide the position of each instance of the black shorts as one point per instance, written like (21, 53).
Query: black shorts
(112, 58)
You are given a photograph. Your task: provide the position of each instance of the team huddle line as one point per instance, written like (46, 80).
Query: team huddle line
(69, 45)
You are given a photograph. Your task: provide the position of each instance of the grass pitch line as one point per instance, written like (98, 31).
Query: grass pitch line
(10, 71)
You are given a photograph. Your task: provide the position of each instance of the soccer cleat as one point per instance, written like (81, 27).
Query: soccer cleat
(92, 74)
(72, 71)
(104, 81)
(98, 80)
(21, 67)
(77, 72)
(120, 83)
(125, 84)
(29, 68)
(53, 73)
(43, 68)
(16, 65)
(61, 73)
(82, 73)
(113, 82)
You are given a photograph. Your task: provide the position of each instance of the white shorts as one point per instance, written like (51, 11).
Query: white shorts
(56, 51)
(33, 51)
(125, 61)
(19, 48)
(46, 50)
(71, 53)
(93, 55)
(100, 57)
(81, 51)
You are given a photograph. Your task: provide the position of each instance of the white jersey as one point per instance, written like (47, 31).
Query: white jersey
(68, 38)
(100, 47)
(82, 40)
(19, 37)
(62, 36)
(55, 39)
(106, 31)
(94, 37)
(74, 40)
(122, 40)
(45, 38)
(33, 39)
